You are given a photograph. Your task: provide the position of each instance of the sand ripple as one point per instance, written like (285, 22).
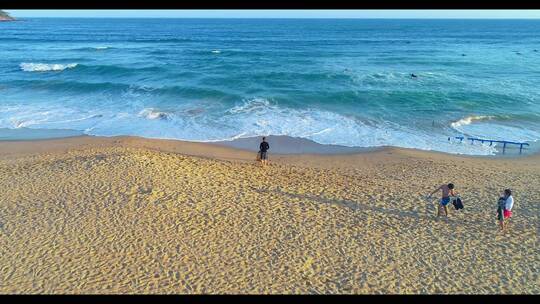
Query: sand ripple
(130, 220)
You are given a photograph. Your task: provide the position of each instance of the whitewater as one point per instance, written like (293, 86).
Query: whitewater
(335, 82)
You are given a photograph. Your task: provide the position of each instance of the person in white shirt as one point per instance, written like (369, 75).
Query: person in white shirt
(504, 211)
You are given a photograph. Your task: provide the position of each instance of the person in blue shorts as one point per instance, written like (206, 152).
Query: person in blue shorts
(447, 191)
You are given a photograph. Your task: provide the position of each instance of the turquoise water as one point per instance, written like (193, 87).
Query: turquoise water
(341, 82)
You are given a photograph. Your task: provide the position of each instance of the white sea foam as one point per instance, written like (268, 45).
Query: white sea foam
(259, 116)
(45, 67)
(47, 117)
(487, 127)
(252, 117)
(151, 113)
(78, 119)
(24, 123)
(216, 51)
(252, 105)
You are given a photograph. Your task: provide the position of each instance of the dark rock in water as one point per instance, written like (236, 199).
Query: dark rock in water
(5, 16)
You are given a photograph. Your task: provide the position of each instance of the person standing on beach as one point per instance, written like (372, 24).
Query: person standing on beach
(447, 191)
(263, 149)
(504, 210)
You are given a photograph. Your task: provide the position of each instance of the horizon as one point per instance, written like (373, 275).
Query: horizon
(277, 18)
(281, 14)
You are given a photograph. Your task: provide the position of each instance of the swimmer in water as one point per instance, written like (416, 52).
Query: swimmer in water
(413, 76)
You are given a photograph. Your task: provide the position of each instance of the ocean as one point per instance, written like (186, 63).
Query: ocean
(340, 82)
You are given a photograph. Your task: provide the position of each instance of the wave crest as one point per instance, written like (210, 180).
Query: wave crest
(45, 67)
(469, 119)
(251, 105)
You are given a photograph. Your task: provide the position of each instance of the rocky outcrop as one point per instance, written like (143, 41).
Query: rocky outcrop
(5, 16)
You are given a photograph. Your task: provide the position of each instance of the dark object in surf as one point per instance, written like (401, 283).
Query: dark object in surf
(463, 55)
(457, 203)
(491, 141)
(535, 50)
(413, 76)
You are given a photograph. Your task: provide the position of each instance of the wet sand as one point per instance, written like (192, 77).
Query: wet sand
(132, 215)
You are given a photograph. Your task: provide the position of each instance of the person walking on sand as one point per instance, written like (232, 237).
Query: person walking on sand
(504, 208)
(263, 150)
(447, 191)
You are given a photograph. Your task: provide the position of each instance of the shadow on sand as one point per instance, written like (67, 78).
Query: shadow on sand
(430, 208)
(352, 205)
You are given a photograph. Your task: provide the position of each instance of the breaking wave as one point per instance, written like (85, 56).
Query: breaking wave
(45, 67)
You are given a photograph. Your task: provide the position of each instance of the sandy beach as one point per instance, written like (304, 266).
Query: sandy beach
(130, 215)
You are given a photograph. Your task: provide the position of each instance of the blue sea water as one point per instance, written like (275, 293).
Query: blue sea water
(343, 82)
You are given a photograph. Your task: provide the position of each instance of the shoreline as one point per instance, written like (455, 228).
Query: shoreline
(128, 156)
(238, 149)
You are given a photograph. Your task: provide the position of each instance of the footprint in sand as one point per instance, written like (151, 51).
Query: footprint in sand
(139, 190)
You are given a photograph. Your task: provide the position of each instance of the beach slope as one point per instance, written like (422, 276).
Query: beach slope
(131, 215)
